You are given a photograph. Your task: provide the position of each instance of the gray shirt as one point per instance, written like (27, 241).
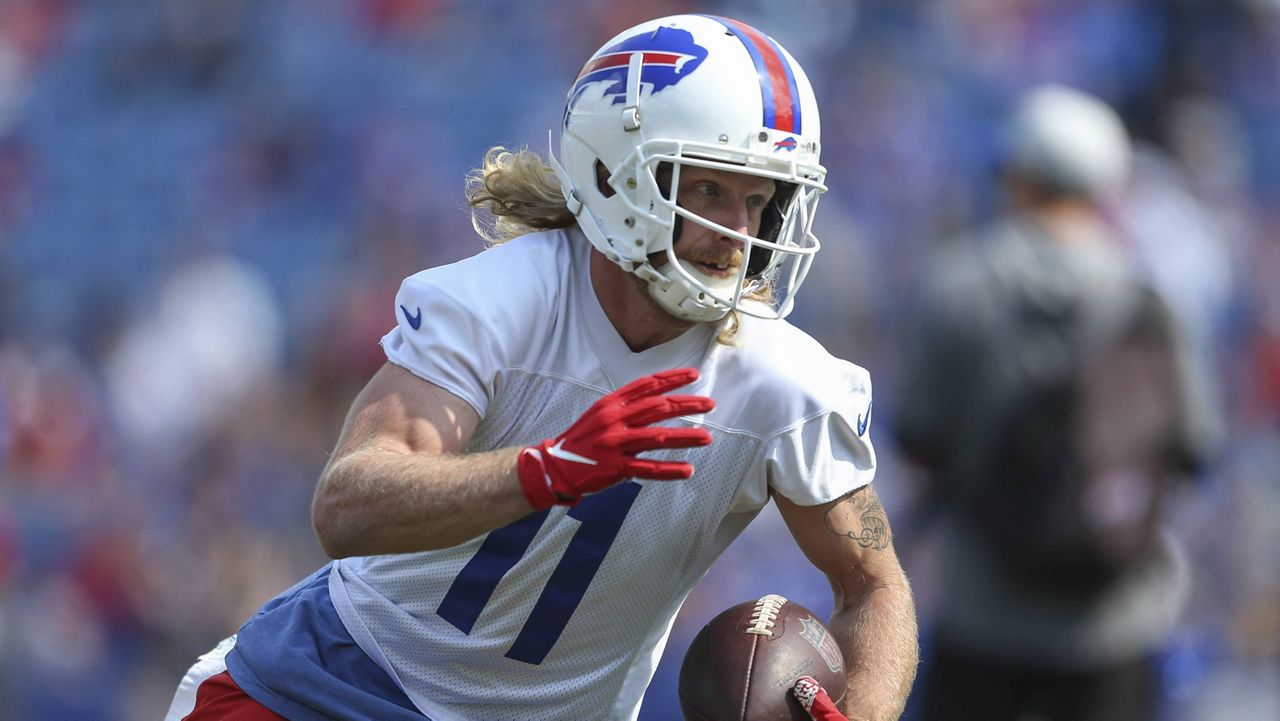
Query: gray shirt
(993, 315)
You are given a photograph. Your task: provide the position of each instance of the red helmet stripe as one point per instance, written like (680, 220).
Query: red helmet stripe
(614, 60)
(777, 80)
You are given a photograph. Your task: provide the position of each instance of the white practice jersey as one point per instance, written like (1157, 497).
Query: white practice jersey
(563, 614)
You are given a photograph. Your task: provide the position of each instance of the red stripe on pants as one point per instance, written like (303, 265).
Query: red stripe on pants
(219, 699)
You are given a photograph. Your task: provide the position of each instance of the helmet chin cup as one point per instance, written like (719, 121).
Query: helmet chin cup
(681, 298)
(692, 90)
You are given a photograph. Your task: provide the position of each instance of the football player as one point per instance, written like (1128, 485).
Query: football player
(519, 503)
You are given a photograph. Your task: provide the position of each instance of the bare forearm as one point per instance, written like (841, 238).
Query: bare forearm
(878, 635)
(375, 501)
(874, 621)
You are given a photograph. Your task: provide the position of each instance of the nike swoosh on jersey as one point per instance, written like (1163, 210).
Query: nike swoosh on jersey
(864, 421)
(559, 452)
(415, 321)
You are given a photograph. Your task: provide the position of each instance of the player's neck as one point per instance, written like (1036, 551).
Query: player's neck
(637, 317)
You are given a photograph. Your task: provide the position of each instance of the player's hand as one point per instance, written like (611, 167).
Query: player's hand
(815, 700)
(600, 448)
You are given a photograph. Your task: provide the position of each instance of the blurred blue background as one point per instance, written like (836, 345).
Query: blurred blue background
(206, 207)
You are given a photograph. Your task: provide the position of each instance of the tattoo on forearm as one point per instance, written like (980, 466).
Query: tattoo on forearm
(860, 517)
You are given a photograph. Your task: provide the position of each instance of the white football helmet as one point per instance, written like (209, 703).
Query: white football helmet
(693, 90)
(1070, 141)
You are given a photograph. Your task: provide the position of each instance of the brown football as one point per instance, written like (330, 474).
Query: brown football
(741, 665)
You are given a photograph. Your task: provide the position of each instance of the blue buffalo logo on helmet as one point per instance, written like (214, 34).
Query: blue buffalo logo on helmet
(787, 144)
(669, 55)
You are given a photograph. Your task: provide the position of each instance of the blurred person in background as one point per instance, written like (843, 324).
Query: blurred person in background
(493, 564)
(1051, 400)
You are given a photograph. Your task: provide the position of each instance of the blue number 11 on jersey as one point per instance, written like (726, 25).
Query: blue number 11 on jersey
(600, 516)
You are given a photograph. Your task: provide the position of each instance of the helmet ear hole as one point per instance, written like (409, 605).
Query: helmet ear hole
(602, 180)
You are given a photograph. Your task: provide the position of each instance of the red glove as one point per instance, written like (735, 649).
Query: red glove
(815, 700)
(600, 448)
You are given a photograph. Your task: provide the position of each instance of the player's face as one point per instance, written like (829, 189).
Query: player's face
(733, 200)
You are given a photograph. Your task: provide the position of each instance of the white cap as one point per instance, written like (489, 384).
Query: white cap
(1068, 140)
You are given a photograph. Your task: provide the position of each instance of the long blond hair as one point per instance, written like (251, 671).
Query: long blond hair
(515, 192)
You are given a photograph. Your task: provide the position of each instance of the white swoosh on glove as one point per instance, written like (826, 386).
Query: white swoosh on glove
(564, 455)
